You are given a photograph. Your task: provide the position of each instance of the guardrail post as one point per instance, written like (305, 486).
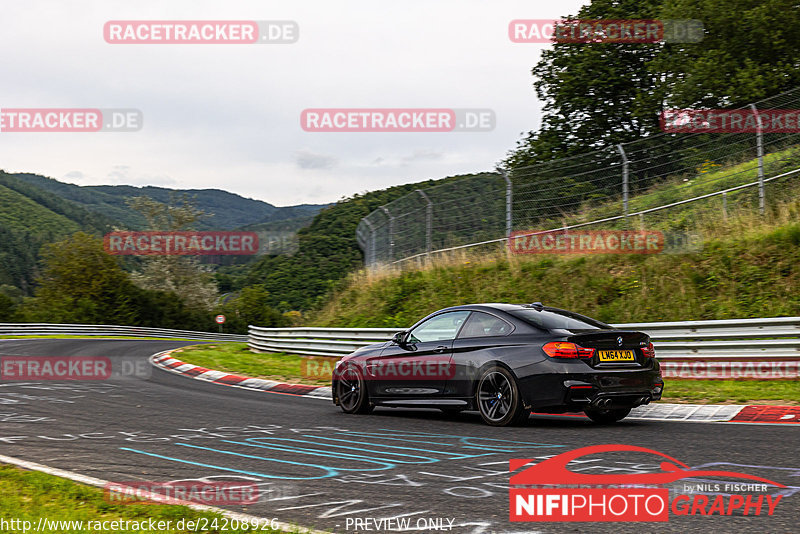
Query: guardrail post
(428, 222)
(391, 232)
(509, 194)
(760, 153)
(624, 180)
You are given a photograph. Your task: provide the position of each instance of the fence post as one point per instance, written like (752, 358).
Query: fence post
(428, 222)
(509, 193)
(369, 257)
(725, 205)
(624, 181)
(760, 153)
(391, 232)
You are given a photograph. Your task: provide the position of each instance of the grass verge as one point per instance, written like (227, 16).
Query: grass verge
(64, 336)
(236, 358)
(785, 392)
(31, 495)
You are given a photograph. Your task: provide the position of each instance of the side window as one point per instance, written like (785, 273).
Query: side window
(482, 324)
(442, 327)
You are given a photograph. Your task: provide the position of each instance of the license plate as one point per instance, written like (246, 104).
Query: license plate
(616, 356)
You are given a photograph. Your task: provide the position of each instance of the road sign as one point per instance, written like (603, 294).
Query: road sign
(220, 319)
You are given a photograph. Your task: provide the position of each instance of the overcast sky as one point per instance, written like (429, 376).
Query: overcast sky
(228, 116)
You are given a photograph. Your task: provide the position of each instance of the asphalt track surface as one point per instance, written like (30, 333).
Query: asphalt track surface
(320, 468)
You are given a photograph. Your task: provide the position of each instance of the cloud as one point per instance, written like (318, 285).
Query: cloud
(123, 175)
(306, 159)
(423, 155)
(74, 175)
(228, 116)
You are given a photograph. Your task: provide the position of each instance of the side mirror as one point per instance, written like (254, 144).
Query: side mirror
(399, 338)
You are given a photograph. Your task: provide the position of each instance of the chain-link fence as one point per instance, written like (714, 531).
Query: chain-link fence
(669, 181)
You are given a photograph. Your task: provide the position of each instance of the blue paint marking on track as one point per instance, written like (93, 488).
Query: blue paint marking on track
(384, 465)
(337, 454)
(453, 454)
(372, 451)
(221, 468)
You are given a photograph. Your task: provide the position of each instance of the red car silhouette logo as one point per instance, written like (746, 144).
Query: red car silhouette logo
(553, 471)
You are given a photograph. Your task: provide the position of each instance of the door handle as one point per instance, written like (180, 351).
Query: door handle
(440, 349)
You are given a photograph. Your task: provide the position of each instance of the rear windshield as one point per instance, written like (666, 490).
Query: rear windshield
(552, 319)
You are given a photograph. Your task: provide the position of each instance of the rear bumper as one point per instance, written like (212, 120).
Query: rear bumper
(595, 388)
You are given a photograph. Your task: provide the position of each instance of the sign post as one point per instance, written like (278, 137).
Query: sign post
(220, 319)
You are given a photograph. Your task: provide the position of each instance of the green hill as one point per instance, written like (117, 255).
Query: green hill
(748, 264)
(327, 251)
(31, 217)
(747, 267)
(230, 211)
(35, 210)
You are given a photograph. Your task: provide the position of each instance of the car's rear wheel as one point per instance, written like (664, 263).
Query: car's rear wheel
(498, 399)
(607, 417)
(352, 392)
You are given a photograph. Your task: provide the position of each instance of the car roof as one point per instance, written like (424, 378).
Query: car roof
(503, 306)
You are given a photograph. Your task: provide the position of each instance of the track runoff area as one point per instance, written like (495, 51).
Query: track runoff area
(292, 458)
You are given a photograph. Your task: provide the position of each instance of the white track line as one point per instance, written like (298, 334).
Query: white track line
(92, 481)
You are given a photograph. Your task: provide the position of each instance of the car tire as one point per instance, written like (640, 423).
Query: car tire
(498, 398)
(607, 417)
(351, 391)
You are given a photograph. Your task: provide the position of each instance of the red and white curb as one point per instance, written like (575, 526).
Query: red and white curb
(164, 360)
(692, 413)
(710, 413)
(718, 413)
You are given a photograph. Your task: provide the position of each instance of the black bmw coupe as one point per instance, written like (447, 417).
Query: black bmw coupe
(504, 360)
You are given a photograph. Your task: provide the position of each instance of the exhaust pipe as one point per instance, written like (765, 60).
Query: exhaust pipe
(603, 403)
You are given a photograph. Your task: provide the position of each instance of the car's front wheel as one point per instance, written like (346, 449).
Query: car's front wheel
(352, 392)
(498, 398)
(607, 417)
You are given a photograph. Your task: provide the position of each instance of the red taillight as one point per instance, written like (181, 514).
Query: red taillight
(649, 351)
(565, 349)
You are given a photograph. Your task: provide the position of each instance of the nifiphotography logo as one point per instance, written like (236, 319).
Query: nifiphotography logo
(548, 491)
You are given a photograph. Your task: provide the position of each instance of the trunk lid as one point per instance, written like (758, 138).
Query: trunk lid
(613, 348)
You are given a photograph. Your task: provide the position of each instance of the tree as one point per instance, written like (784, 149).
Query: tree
(80, 283)
(250, 307)
(751, 51)
(8, 309)
(594, 94)
(600, 94)
(181, 275)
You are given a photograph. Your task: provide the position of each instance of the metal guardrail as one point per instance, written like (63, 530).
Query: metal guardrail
(671, 339)
(45, 329)
(705, 346)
